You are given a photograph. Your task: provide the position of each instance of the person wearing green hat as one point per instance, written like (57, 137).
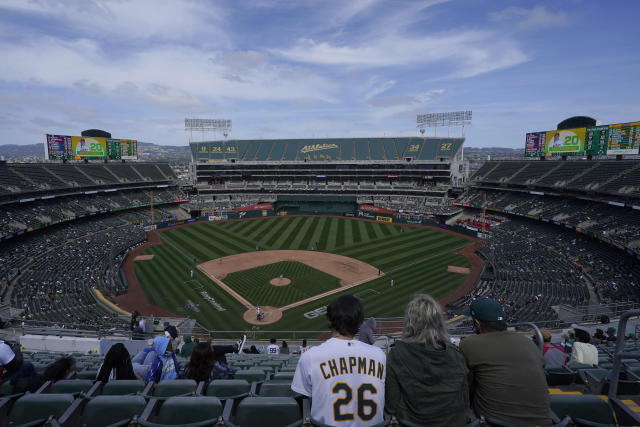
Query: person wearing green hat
(508, 382)
(611, 334)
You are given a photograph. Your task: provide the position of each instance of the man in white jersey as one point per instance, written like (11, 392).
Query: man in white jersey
(344, 377)
(272, 348)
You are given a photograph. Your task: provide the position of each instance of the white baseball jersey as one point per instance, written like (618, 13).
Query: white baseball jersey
(273, 349)
(345, 380)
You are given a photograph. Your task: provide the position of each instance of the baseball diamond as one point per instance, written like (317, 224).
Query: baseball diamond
(230, 270)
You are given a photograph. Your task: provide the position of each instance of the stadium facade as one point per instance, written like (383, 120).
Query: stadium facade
(233, 173)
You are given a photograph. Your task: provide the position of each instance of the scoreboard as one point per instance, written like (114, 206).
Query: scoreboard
(606, 140)
(624, 138)
(62, 147)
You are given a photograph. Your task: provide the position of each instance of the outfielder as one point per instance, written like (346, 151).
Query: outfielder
(344, 377)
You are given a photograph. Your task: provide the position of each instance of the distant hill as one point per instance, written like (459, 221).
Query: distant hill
(146, 151)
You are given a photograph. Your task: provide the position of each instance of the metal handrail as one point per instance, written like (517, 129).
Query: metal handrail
(539, 340)
(619, 353)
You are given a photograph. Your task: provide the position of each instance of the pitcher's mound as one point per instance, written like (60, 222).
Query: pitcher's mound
(271, 315)
(280, 282)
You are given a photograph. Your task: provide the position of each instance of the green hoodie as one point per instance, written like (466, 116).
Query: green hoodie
(427, 386)
(187, 347)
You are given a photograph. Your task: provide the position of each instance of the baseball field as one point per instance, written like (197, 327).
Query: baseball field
(291, 267)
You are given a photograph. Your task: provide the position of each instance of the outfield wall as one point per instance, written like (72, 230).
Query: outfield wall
(382, 217)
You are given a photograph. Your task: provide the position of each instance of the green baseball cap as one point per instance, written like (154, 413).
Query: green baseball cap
(486, 309)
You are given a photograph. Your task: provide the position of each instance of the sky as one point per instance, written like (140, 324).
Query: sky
(313, 68)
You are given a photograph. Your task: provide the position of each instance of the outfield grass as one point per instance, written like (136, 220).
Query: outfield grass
(253, 284)
(415, 258)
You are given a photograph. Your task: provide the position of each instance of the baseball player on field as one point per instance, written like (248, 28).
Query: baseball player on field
(344, 377)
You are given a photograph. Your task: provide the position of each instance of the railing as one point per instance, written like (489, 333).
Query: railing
(619, 351)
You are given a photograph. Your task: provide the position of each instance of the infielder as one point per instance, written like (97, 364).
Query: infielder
(344, 377)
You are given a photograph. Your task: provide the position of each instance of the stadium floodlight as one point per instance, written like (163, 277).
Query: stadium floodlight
(448, 119)
(203, 125)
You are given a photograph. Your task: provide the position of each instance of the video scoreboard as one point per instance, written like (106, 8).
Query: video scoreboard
(609, 140)
(64, 147)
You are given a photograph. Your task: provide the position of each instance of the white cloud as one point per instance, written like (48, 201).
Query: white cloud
(531, 19)
(469, 53)
(397, 104)
(131, 19)
(163, 74)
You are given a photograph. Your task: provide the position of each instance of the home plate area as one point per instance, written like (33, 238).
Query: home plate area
(344, 271)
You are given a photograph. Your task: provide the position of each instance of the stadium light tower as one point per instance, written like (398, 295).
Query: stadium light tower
(203, 125)
(435, 120)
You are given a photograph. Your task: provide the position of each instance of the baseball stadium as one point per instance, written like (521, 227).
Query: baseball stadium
(353, 213)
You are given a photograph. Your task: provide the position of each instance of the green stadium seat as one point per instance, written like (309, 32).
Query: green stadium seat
(185, 410)
(582, 407)
(267, 411)
(497, 423)
(106, 410)
(224, 389)
(39, 406)
(71, 386)
(276, 389)
(87, 374)
(288, 369)
(6, 388)
(283, 376)
(120, 387)
(265, 369)
(250, 375)
(560, 376)
(171, 388)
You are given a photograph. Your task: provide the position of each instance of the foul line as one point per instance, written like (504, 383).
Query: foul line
(226, 288)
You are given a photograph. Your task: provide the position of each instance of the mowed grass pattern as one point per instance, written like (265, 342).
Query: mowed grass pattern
(253, 284)
(415, 258)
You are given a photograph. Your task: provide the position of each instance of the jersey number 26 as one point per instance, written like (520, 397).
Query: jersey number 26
(367, 408)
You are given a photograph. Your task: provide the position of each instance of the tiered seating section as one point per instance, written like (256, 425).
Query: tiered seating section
(18, 217)
(17, 178)
(620, 225)
(322, 149)
(604, 176)
(533, 266)
(260, 394)
(50, 276)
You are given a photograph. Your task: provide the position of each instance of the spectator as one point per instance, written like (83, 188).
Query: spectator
(165, 366)
(187, 347)
(598, 337)
(134, 319)
(285, 348)
(584, 352)
(137, 333)
(201, 363)
(611, 334)
(272, 348)
(142, 324)
(508, 382)
(142, 361)
(117, 365)
(21, 375)
(59, 370)
(366, 331)
(335, 370)
(303, 347)
(427, 377)
(172, 332)
(554, 355)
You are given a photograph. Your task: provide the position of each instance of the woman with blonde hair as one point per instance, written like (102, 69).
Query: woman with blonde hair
(426, 375)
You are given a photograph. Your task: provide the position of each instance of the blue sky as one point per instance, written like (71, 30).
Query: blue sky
(313, 68)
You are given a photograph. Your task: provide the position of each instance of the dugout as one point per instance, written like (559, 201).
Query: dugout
(327, 205)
